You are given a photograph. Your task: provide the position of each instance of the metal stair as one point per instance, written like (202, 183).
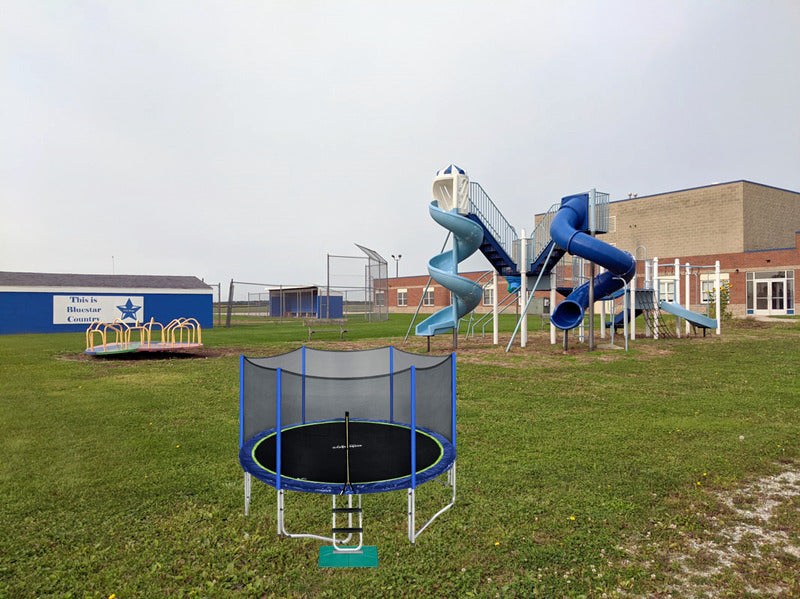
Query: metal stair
(499, 236)
(500, 244)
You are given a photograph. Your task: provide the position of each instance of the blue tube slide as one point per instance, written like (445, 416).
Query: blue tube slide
(568, 229)
(443, 268)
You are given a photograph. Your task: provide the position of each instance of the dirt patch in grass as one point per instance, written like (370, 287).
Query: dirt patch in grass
(748, 546)
(538, 350)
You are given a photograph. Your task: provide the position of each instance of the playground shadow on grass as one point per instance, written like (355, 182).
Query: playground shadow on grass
(200, 353)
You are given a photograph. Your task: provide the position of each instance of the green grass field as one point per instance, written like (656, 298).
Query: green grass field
(608, 474)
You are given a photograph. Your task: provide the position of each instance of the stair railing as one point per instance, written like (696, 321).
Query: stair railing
(490, 216)
(472, 314)
(541, 232)
(506, 303)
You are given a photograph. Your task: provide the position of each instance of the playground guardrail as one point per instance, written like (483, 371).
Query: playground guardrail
(491, 217)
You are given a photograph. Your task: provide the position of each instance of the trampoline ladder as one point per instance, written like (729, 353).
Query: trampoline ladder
(348, 530)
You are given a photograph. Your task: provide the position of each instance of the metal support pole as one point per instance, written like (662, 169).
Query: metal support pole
(592, 231)
(603, 319)
(687, 293)
(633, 308)
(328, 286)
(523, 289)
(677, 285)
(626, 306)
(553, 339)
(495, 313)
(591, 306)
(657, 295)
(230, 306)
(718, 297)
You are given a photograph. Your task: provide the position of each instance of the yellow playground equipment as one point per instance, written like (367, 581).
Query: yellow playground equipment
(104, 338)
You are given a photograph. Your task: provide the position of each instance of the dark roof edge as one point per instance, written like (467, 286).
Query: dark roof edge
(34, 279)
(663, 193)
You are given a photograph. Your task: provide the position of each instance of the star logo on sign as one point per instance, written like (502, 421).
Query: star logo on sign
(128, 310)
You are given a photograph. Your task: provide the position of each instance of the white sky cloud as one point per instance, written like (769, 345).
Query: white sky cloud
(246, 139)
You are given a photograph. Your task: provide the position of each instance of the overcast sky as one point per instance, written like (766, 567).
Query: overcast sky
(247, 140)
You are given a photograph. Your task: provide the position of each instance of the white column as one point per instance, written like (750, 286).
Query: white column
(495, 312)
(603, 318)
(523, 289)
(656, 295)
(677, 295)
(553, 294)
(632, 304)
(718, 296)
(687, 295)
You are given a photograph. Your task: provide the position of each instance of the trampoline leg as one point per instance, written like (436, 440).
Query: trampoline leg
(412, 507)
(281, 530)
(412, 512)
(246, 493)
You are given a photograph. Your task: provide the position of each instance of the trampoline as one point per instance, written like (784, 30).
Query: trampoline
(347, 424)
(314, 458)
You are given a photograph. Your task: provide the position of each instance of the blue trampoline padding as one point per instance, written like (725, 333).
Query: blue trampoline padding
(305, 436)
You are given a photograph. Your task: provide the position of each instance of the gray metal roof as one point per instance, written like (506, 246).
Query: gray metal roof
(40, 279)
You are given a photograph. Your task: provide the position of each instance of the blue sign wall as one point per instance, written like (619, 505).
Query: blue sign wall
(63, 312)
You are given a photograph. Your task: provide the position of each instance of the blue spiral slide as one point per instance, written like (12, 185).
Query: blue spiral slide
(467, 236)
(569, 230)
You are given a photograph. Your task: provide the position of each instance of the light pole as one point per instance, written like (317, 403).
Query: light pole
(396, 264)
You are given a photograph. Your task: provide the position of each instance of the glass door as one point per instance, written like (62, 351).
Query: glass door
(762, 297)
(777, 298)
(770, 292)
(770, 297)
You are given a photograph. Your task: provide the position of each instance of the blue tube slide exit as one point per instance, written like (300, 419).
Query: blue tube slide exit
(568, 229)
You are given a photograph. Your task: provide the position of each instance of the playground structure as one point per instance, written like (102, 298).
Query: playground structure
(347, 423)
(595, 273)
(666, 288)
(179, 334)
(450, 203)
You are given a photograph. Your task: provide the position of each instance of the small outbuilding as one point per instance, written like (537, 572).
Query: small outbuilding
(63, 303)
(305, 302)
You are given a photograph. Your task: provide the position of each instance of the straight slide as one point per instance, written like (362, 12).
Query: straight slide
(568, 229)
(698, 320)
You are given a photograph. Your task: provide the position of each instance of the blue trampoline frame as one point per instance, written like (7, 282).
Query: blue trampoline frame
(446, 458)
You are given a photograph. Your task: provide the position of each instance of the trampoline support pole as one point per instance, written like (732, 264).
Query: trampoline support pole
(412, 507)
(281, 527)
(247, 484)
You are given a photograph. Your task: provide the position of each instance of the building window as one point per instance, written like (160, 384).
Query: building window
(488, 295)
(666, 289)
(427, 299)
(402, 297)
(707, 283)
(380, 298)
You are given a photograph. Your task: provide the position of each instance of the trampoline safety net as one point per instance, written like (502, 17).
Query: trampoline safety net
(375, 384)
